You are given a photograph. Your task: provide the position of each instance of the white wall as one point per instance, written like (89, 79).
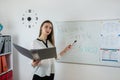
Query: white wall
(10, 16)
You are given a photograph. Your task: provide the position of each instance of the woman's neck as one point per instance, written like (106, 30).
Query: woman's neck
(42, 37)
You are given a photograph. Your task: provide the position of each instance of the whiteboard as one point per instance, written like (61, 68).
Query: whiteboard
(98, 42)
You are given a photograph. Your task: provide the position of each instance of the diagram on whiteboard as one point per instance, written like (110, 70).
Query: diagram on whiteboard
(110, 41)
(111, 55)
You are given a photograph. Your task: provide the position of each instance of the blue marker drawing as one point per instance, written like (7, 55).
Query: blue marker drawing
(110, 49)
(119, 35)
(101, 34)
(109, 60)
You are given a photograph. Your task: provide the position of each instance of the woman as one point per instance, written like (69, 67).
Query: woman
(44, 70)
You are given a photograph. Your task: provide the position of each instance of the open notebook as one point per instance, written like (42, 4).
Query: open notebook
(37, 54)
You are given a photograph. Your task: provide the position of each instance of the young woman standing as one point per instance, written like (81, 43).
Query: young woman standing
(45, 69)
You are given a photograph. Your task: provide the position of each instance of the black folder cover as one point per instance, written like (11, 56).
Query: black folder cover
(37, 54)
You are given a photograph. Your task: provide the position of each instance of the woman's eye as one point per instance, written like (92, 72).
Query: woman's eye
(50, 28)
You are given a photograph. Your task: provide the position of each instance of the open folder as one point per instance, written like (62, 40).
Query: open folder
(37, 54)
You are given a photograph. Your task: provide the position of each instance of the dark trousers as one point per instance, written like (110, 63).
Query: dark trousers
(36, 77)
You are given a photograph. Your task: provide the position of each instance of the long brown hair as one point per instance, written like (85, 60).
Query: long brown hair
(50, 37)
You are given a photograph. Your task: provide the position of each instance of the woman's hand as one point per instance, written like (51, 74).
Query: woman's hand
(69, 46)
(66, 49)
(35, 63)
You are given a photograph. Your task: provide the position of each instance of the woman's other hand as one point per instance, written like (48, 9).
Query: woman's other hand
(35, 63)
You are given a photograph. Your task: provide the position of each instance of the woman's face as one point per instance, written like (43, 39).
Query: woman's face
(46, 29)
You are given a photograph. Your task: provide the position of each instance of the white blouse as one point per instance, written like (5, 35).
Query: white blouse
(46, 66)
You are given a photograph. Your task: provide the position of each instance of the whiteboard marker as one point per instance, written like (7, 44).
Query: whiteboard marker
(74, 42)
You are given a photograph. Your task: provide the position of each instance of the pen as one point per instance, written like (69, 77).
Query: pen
(74, 42)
